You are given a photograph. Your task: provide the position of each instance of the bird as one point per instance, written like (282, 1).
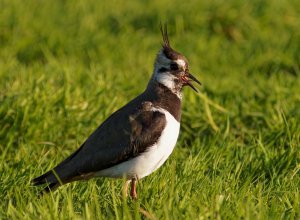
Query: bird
(138, 138)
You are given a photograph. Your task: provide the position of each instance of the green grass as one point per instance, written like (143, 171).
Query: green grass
(65, 66)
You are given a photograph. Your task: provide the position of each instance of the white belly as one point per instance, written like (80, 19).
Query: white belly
(153, 158)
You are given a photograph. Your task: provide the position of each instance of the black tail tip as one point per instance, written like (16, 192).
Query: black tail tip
(37, 181)
(42, 179)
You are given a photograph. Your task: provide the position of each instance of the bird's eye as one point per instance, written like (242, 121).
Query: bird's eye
(173, 66)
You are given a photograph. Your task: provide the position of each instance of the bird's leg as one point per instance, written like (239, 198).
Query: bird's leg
(133, 193)
(125, 188)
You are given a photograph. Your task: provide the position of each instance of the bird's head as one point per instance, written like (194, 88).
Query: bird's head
(171, 68)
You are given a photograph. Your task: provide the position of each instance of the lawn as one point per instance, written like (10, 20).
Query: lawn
(65, 66)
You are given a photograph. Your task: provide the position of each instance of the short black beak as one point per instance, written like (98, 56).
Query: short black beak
(192, 78)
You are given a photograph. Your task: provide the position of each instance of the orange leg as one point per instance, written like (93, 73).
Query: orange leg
(133, 193)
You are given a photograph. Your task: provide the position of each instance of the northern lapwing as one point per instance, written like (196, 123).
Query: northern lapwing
(138, 138)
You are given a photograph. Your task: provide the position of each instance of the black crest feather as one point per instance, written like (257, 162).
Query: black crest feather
(164, 33)
(168, 51)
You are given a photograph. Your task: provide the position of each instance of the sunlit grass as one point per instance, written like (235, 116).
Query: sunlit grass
(66, 66)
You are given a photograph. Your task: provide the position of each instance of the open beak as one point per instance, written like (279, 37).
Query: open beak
(188, 78)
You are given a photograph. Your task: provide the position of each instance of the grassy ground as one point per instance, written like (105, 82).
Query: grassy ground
(67, 65)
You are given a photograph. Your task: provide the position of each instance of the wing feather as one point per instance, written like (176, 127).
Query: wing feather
(124, 135)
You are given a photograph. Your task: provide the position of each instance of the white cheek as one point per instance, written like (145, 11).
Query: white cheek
(166, 79)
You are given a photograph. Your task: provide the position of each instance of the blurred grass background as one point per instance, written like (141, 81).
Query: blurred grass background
(65, 66)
